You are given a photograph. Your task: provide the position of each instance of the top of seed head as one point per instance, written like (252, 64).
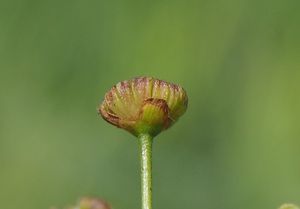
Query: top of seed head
(144, 105)
(91, 203)
(288, 206)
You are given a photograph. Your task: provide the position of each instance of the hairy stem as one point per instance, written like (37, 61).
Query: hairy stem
(146, 170)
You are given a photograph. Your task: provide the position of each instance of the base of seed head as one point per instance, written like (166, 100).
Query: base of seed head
(144, 105)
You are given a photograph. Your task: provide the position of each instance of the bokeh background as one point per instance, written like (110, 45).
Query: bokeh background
(237, 146)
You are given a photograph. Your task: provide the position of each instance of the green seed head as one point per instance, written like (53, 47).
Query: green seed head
(144, 105)
(91, 203)
(288, 206)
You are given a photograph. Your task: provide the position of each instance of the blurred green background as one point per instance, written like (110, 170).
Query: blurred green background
(236, 147)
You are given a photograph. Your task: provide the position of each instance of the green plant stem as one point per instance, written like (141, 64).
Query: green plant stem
(145, 142)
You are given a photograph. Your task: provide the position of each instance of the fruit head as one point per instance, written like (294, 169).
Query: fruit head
(144, 105)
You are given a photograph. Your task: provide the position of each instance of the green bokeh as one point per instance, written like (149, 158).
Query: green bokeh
(238, 145)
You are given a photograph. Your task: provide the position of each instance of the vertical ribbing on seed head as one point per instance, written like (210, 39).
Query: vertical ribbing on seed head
(144, 104)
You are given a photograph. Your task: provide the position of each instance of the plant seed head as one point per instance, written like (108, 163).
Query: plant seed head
(288, 206)
(144, 105)
(92, 203)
